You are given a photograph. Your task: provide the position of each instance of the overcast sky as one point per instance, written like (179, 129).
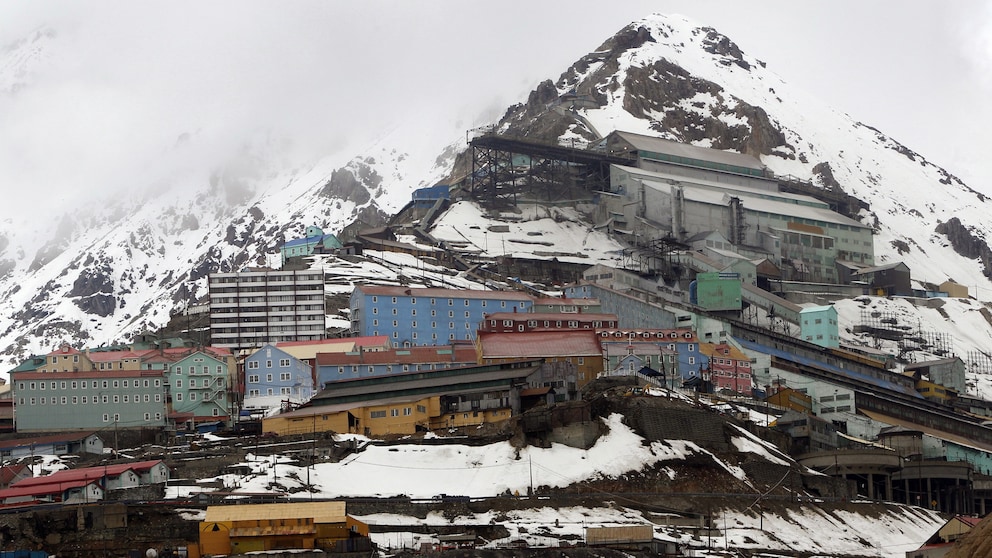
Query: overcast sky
(128, 80)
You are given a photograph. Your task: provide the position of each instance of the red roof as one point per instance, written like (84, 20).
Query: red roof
(42, 489)
(412, 355)
(87, 473)
(968, 520)
(536, 344)
(429, 292)
(10, 472)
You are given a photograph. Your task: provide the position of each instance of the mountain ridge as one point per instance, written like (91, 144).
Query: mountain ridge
(99, 276)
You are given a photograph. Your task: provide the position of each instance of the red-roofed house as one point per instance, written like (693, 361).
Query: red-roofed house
(56, 444)
(70, 492)
(110, 477)
(13, 473)
(572, 358)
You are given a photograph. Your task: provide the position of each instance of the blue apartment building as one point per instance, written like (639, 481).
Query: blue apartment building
(271, 371)
(427, 316)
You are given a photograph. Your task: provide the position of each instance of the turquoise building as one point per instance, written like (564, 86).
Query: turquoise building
(818, 324)
(198, 388)
(314, 241)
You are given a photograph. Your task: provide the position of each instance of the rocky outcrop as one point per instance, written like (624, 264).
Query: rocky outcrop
(967, 244)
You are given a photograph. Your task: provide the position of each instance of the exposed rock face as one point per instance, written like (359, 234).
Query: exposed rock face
(967, 244)
(93, 292)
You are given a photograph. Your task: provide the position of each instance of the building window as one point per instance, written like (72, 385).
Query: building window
(394, 412)
(253, 379)
(284, 363)
(179, 383)
(179, 396)
(285, 376)
(377, 414)
(106, 417)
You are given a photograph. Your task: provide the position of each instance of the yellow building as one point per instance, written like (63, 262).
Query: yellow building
(412, 402)
(237, 529)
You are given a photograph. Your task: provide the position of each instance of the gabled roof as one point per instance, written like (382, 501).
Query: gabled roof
(930, 363)
(41, 440)
(42, 489)
(582, 342)
(11, 472)
(88, 473)
(668, 147)
(894, 265)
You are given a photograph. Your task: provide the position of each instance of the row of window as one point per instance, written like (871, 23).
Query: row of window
(206, 382)
(407, 411)
(451, 302)
(283, 377)
(269, 391)
(413, 324)
(413, 335)
(94, 384)
(86, 400)
(192, 369)
(283, 363)
(117, 417)
(405, 367)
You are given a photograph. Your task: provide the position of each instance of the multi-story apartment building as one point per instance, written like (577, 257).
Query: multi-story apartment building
(729, 368)
(273, 375)
(89, 400)
(427, 316)
(123, 387)
(199, 387)
(251, 308)
(672, 351)
(336, 367)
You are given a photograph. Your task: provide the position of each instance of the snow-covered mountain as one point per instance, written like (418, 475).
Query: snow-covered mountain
(99, 270)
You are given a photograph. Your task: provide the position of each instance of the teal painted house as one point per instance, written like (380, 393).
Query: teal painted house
(314, 241)
(88, 400)
(198, 386)
(818, 324)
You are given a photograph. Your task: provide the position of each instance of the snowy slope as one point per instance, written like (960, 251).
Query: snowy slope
(93, 270)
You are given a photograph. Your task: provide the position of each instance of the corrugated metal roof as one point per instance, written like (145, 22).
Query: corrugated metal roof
(320, 512)
(40, 440)
(754, 203)
(42, 490)
(540, 344)
(88, 473)
(668, 147)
